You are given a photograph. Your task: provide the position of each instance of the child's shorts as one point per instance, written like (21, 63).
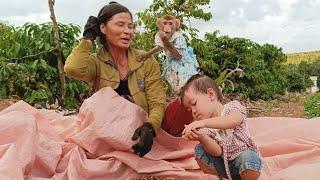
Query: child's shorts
(248, 159)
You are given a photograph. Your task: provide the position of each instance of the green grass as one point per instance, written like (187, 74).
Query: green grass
(296, 58)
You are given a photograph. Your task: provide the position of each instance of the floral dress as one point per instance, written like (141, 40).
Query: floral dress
(176, 72)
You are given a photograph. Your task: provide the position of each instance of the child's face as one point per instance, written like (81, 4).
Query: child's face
(201, 104)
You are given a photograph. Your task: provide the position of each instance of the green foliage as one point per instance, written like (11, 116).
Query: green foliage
(77, 91)
(31, 39)
(312, 106)
(263, 76)
(23, 80)
(308, 69)
(297, 76)
(297, 81)
(183, 10)
(28, 65)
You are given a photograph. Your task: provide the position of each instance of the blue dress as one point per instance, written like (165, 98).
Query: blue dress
(176, 72)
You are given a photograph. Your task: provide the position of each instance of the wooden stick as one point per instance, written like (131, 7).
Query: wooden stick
(148, 54)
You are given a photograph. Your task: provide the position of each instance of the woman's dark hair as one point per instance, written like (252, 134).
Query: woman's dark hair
(200, 83)
(106, 13)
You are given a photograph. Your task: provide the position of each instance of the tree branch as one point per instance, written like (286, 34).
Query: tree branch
(31, 56)
(56, 41)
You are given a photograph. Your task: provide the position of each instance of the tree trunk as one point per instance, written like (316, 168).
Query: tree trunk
(56, 41)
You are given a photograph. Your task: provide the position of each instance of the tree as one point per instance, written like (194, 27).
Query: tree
(58, 50)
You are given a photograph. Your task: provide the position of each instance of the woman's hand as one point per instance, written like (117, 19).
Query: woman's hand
(91, 29)
(145, 133)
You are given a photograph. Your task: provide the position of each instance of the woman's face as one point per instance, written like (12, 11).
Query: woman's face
(118, 30)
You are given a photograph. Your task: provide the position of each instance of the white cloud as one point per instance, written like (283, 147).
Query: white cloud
(293, 25)
(33, 18)
(22, 8)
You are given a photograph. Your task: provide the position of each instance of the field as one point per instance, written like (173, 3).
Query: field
(296, 58)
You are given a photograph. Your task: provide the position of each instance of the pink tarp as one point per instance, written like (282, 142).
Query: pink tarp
(96, 144)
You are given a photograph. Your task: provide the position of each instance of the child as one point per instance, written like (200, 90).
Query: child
(226, 147)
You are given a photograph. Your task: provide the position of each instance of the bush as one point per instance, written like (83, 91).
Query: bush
(296, 80)
(34, 78)
(312, 106)
(263, 77)
(310, 69)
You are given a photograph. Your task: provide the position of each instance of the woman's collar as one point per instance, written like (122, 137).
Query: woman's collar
(133, 64)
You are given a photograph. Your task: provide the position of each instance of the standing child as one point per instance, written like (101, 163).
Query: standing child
(226, 147)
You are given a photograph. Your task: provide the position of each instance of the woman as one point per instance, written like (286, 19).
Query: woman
(115, 65)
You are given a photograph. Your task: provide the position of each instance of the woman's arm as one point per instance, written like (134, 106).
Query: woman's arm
(81, 63)
(154, 90)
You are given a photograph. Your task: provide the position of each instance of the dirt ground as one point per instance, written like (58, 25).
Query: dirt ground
(288, 105)
(274, 108)
(4, 103)
(280, 109)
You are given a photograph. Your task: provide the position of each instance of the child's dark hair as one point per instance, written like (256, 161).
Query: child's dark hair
(201, 83)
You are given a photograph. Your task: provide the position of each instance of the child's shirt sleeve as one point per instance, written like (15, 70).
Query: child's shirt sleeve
(235, 106)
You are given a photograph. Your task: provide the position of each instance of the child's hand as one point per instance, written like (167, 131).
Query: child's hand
(190, 136)
(193, 126)
(200, 134)
(194, 135)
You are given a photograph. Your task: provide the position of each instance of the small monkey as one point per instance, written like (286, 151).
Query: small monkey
(180, 64)
(167, 25)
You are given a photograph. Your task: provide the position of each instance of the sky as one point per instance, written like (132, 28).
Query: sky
(293, 25)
